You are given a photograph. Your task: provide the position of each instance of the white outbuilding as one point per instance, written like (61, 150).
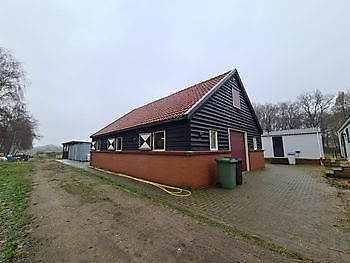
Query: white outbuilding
(76, 150)
(344, 139)
(304, 144)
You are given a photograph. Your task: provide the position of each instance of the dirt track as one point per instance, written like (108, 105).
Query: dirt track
(77, 219)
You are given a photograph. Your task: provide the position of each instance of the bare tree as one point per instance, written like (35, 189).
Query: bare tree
(313, 106)
(281, 116)
(267, 115)
(12, 79)
(288, 116)
(19, 131)
(341, 106)
(340, 112)
(17, 126)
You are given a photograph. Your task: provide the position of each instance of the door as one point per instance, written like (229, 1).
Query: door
(237, 144)
(277, 144)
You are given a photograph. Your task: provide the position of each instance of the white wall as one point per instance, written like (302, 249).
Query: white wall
(309, 145)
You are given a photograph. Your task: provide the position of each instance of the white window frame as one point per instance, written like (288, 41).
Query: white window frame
(153, 140)
(255, 143)
(121, 144)
(98, 145)
(210, 141)
(233, 98)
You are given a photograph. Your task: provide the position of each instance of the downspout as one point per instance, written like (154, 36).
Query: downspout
(246, 151)
(319, 145)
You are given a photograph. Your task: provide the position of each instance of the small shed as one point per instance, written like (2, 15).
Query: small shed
(344, 139)
(306, 144)
(76, 150)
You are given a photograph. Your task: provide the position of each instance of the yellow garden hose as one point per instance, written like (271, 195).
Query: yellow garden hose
(175, 191)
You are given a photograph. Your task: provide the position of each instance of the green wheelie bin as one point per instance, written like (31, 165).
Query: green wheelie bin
(227, 169)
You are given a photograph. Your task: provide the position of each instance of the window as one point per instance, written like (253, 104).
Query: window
(145, 141)
(159, 140)
(255, 143)
(119, 144)
(98, 145)
(213, 140)
(236, 100)
(347, 134)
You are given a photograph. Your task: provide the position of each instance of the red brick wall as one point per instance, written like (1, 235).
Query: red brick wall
(178, 168)
(196, 169)
(256, 159)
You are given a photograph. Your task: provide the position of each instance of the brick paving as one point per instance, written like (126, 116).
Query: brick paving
(289, 205)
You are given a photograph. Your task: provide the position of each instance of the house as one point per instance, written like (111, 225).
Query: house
(344, 139)
(76, 150)
(306, 144)
(176, 139)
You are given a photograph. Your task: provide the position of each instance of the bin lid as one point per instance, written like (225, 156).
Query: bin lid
(226, 160)
(291, 153)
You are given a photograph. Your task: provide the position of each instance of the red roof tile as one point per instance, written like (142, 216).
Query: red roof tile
(170, 107)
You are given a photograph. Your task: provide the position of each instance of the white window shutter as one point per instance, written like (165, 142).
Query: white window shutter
(145, 141)
(111, 144)
(93, 143)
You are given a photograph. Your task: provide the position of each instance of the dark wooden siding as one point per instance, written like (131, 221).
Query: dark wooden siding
(218, 113)
(177, 136)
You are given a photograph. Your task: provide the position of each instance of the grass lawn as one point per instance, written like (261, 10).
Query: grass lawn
(15, 188)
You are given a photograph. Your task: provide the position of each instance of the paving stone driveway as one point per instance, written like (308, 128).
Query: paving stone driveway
(289, 205)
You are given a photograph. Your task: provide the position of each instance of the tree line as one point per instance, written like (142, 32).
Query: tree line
(309, 110)
(17, 125)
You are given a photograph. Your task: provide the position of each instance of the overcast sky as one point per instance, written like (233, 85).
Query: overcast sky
(90, 62)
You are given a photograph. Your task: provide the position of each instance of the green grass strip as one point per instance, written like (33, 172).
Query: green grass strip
(15, 188)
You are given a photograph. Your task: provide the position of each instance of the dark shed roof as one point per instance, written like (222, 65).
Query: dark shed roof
(174, 106)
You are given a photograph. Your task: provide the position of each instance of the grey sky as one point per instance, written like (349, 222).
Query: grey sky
(91, 61)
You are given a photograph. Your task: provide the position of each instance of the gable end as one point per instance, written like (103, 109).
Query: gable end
(205, 98)
(217, 112)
